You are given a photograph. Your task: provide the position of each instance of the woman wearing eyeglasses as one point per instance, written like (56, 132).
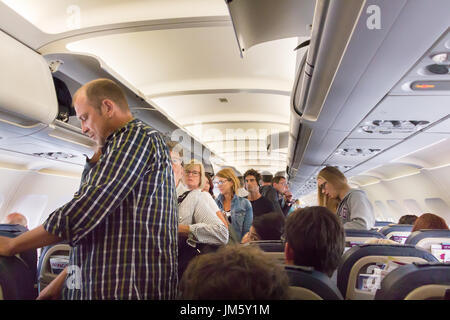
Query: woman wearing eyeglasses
(199, 224)
(238, 210)
(351, 205)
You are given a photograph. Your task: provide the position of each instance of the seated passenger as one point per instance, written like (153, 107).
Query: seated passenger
(353, 206)
(16, 218)
(407, 219)
(269, 226)
(237, 210)
(260, 204)
(429, 221)
(380, 241)
(234, 273)
(314, 238)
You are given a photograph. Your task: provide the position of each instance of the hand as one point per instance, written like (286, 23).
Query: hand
(54, 288)
(6, 248)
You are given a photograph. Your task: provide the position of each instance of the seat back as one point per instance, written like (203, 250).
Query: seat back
(397, 232)
(356, 237)
(416, 282)
(435, 241)
(49, 254)
(380, 224)
(17, 273)
(363, 267)
(309, 284)
(273, 249)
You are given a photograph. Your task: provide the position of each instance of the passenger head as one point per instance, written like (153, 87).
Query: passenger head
(16, 218)
(407, 219)
(266, 178)
(429, 221)
(208, 186)
(251, 179)
(227, 181)
(268, 226)
(234, 273)
(176, 156)
(380, 241)
(280, 184)
(102, 108)
(314, 237)
(194, 175)
(330, 183)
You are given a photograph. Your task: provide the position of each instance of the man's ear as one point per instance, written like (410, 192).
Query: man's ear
(288, 254)
(108, 107)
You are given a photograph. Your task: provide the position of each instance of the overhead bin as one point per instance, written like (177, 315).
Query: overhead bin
(259, 21)
(27, 93)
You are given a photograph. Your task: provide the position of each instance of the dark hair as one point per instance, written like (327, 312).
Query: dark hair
(266, 178)
(234, 273)
(252, 172)
(269, 226)
(277, 179)
(317, 238)
(211, 184)
(429, 221)
(407, 219)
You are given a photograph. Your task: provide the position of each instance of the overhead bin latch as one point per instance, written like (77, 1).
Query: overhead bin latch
(54, 65)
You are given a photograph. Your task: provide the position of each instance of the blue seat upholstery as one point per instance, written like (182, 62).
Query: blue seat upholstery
(18, 273)
(416, 282)
(269, 245)
(359, 258)
(434, 236)
(356, 237)
(397, 232)
(382, 223)
(312, 284)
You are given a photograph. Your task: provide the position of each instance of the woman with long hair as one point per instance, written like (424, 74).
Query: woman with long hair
(429, 221)
(351, 205)
(237, 210)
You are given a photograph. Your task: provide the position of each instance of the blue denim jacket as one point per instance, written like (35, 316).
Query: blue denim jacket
(241, 214)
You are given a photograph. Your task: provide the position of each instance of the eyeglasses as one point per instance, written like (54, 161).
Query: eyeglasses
(194, 173)
(220, 182)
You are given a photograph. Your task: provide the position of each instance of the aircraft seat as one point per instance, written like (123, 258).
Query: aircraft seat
(362, 267)
(17, 273)
(309, 284)
(416, 282)
(397, 232)
(274, 249)
(45, 272)
(357, 237)
(425, 238)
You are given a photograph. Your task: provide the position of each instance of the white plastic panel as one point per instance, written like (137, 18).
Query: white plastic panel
(27, 89)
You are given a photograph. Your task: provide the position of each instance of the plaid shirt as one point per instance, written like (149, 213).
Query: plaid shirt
(123, 221)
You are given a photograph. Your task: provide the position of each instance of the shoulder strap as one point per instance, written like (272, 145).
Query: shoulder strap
(183, 196)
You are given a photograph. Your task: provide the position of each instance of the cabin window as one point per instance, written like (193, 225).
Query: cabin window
(381, 212)
(413, 207)
(31, 206)
(439, 207)
(395, 208)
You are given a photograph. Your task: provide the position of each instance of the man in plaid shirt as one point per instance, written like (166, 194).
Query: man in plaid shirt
(122, 222)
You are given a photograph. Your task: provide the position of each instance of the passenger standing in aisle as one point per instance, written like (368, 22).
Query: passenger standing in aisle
(122, 223)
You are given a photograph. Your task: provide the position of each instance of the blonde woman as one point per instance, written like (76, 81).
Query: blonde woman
(351, 205)
(236, 209)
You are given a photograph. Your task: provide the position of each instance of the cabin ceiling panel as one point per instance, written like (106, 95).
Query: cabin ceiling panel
(65, 15)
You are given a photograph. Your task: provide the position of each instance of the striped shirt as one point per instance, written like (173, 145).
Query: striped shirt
(198, 210)
(123, 221)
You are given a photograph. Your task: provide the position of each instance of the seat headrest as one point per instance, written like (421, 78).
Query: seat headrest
(363, 233)
(351, 256)
(317, 282)
(396, 227)
(416, 236)
(403, 280)
(269, 245)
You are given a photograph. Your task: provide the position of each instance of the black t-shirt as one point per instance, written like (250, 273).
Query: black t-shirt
(261, 206)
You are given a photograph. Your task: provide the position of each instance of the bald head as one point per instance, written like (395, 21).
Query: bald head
(16, 218)
(98, 90)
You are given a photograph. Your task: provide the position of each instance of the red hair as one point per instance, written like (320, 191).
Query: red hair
(429, 221)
